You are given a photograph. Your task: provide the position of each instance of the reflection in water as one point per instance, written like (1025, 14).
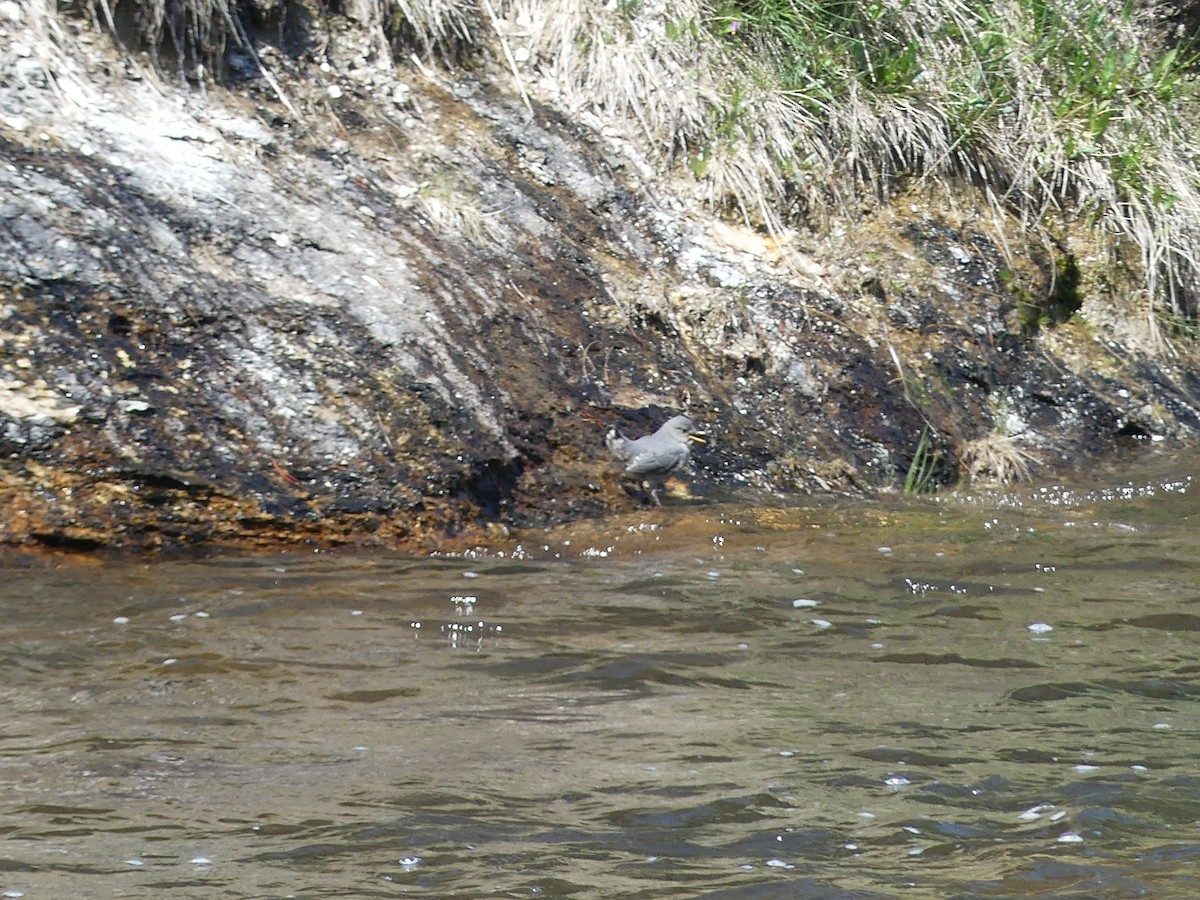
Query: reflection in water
(978, 697)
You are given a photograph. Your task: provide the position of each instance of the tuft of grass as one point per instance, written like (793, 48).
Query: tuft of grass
(192, 34)
(447, 29)
(461, 214)
(922, 471)
(996, 458)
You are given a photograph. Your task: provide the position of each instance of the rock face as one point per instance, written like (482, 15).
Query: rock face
(348, 304)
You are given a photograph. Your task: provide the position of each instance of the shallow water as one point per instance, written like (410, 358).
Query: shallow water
(987, 696)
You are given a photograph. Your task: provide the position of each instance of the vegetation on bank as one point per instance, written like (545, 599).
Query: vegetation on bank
(1064, 111)
(1059, 110)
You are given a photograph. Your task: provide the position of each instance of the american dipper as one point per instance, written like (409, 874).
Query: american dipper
(653, 457)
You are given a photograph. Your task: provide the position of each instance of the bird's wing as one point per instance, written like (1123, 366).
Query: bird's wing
(657, 458)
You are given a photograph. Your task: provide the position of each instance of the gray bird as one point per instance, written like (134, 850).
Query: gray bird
(653, 457)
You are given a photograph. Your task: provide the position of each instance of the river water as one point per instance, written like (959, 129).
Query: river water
(991, 695)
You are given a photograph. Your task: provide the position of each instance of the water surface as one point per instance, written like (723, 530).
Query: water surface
(984, 696)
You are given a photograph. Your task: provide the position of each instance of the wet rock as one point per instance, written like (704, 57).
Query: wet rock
(370, 305)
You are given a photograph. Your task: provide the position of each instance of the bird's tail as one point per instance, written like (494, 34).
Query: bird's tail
(617, 444)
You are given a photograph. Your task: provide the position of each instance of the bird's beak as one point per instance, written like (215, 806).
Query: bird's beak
(697, 439)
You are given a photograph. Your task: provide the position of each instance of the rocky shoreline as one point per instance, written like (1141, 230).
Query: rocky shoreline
(388, 307)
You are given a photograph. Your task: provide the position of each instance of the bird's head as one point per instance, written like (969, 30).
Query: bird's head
(684, 427)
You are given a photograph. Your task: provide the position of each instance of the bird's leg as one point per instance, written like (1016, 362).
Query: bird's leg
(654, 496)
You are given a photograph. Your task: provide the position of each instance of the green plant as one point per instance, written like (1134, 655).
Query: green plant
(922, 471)
(1062, 108)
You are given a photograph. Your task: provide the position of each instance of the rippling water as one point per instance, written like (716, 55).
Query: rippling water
(988, 696)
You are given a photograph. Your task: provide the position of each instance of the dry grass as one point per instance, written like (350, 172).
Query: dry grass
(440, 28)
(996, 458)
(461, 215)
(51, 49)
(39, 16)
(194, 32)
(1068, 109)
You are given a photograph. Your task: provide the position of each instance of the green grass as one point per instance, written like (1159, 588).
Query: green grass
(1073, 111)
(922, 471)
(1069, 109)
